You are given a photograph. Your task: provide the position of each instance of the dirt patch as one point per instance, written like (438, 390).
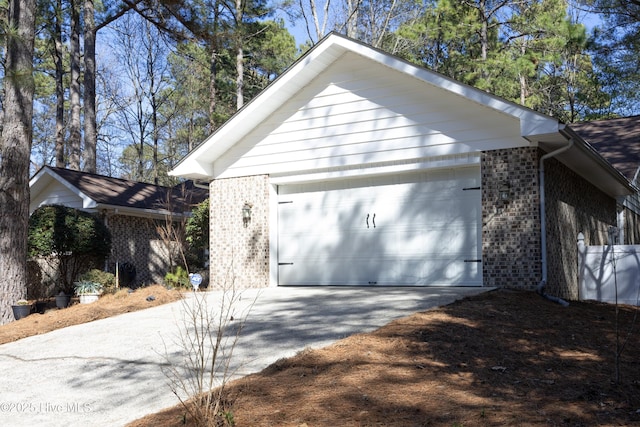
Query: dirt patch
(501, 358)
(123, 301)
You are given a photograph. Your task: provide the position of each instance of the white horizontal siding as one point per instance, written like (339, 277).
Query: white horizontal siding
(357, 113)
(55, 194)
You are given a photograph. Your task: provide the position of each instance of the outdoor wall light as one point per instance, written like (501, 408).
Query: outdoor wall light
(246, 213)
(505, 193)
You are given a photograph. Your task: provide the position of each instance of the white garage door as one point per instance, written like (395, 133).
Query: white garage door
(406, 230)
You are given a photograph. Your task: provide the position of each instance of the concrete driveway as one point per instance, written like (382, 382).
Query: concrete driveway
(110, 372)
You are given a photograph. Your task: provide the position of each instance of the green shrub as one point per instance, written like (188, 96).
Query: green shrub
(75, 239)
(106, 279)
(197, 235)
(84, 287)
(178, 279)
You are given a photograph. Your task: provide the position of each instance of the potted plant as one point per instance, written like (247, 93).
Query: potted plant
(63, 300)
(21, 309)
(88, 291)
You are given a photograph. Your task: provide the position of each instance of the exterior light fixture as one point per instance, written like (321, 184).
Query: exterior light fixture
(505, 193)
(246, 213)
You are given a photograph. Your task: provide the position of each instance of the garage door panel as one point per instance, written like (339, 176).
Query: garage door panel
(312, 245)
(420, 229)
(438, 270)
(433, 270)
(324, 270)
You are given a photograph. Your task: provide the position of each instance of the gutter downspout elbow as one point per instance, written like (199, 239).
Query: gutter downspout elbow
(543, 221)
(197, 184)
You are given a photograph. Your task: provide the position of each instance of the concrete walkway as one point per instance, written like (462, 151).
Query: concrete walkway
(110, 372)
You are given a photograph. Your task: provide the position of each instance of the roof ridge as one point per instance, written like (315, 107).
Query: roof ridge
(605, 120)
(97, 175)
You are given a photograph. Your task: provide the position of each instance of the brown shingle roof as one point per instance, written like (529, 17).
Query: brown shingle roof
(617, 140)
(106, 190)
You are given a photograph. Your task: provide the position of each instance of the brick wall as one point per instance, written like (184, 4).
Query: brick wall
(136, 240)
(572, 206)
(511, 231)
(239, 254)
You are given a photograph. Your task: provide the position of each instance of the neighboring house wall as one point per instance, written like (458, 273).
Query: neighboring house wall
(136, 240)
(572, 206)
(56, 194)
(511, 232)
(239, 255)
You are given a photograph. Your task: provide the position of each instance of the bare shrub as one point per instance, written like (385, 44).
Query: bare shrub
(208, 334)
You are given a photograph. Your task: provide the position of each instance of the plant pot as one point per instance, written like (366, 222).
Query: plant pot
(20, 311)
(41, 306)
(63, 301)
(88, 298)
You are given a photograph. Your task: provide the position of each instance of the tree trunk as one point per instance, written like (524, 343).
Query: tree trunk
(239, 55)
(15, 149)
(484, 32)
(151, 75)
(74, 88)
(90, 125)
(239, 77)
(352, 18)
(522, 77)
(57, 59)
(213, 95)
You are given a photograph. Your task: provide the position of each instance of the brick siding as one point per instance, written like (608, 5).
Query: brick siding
(136, 240)
(239, 254)
(573, 206)
(511, 231)
(511, 234)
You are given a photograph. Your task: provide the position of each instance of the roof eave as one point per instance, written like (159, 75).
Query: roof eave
(616, 184)
(141, 212)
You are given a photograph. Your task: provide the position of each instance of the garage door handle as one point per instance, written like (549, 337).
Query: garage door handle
(367, 220)
(472, 260)
(374, 220)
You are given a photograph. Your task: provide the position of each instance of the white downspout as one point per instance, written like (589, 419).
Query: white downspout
(543, 217)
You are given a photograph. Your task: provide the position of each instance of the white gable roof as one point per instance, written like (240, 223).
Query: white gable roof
(344, 104)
